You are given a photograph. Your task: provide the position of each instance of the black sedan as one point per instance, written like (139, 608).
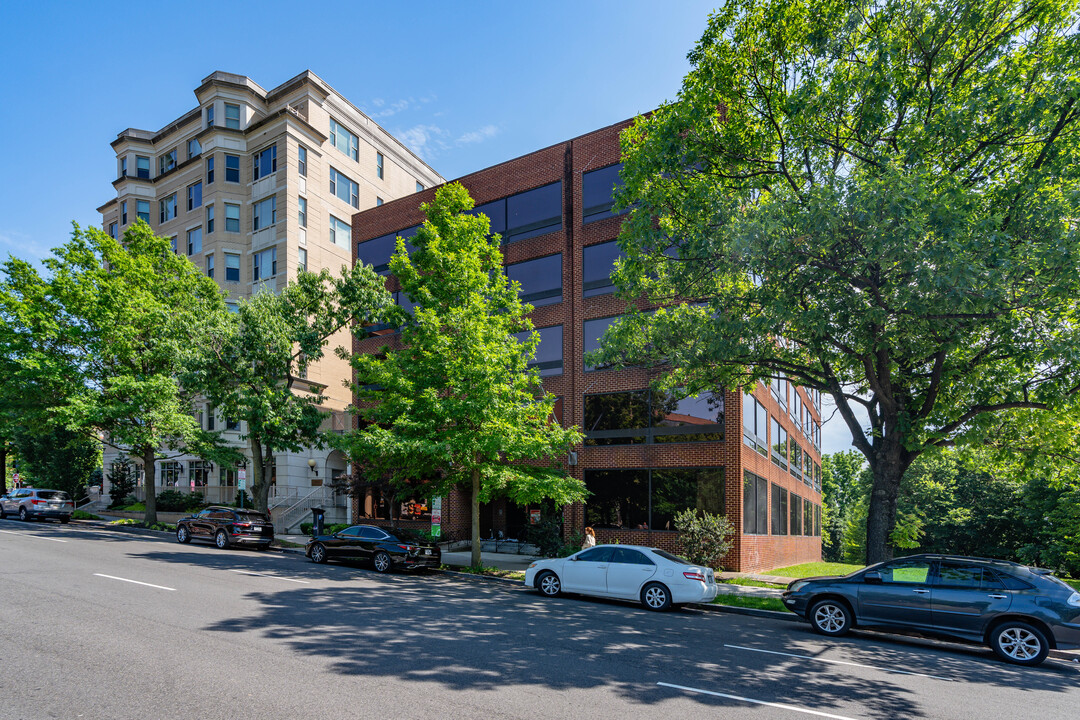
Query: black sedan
(386, 548)
(1020, 612)
(225, 526)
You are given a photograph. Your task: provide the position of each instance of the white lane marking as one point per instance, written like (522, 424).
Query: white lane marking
(782, 706)
(25, 534)
(275, 577)
(838, 662)
(113, 577)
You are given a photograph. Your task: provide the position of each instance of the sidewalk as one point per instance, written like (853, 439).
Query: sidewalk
(502, 561)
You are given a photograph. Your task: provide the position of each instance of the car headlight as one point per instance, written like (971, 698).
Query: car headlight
(1074, 599)
(797, 585)
(532, 565)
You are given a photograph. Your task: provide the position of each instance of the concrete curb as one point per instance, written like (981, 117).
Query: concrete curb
(754, 612)
(474, 576)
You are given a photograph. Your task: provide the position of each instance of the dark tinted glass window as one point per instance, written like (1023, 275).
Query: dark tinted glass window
(618, 498)
(250, 516)
(597, 192)
(779, 510)
(691, 419)
(350, 532)
(52, 495)
(540, 279)
(549, 353)
(1013, 583)
(673, 491)
(600, 554)
(378, 251)
(755, 504)
(533, 212)
(616, 418)
(496, 213)
(958, 575)
(668, 556)
(598, 263)
(808, 518)
(795, 514)
(592, 331)
(627, 556)
(371, 533)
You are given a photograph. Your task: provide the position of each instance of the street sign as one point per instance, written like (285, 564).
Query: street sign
(436, 517)
(241, 479)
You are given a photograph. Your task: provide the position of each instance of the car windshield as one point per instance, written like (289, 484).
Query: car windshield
(250, 516)
(53, 495)
(668, 556)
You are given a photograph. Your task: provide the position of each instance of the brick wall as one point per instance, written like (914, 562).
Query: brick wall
(567, 162)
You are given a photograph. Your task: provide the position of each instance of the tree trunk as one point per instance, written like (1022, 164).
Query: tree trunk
(475, 502)
(149, 485)
(888, 468)
(255, 443)
(3, 468)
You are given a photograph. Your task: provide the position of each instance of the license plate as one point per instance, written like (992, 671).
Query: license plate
(427, 552)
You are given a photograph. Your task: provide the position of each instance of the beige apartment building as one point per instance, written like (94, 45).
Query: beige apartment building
(253, 185)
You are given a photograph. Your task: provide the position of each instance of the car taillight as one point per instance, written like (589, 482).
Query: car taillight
(243, 525)
(406, 548)
(694, 575)
(35, 501)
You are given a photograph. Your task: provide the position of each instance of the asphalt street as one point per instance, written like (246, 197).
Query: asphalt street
(103, 624)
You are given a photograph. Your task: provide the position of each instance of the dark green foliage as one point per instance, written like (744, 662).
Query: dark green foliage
(176, 501)
(704, 538)
(58, 458)
(243, 500)
(547, 536)
(121, 482)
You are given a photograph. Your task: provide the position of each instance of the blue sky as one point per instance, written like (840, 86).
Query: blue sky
(464, 84)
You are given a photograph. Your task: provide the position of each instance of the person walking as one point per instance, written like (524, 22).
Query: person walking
(590, 538)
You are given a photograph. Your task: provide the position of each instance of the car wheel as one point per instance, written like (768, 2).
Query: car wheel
(182, 535)
(22, 514)
(655, 596)
(1020, 643)
(548, 584)
(221, 539)
(318, 553)
(382, 562)
(830, 617)
(3, 515)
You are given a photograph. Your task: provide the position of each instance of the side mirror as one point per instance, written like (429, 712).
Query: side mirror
(873, 578)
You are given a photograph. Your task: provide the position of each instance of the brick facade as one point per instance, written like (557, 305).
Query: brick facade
(567, 162)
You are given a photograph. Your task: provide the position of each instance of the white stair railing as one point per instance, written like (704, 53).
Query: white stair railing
(294, 514)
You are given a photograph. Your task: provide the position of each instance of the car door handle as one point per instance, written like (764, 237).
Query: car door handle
(601, 567)
(920, 591)
(998, 597)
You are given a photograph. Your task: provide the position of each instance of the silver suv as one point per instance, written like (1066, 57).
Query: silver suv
(31, 503)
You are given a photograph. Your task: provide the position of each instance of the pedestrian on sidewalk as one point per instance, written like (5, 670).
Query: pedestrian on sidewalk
(590, 538)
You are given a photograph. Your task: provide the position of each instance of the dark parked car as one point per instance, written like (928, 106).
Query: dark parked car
(1020, 612)
(226, 526)
(386, 548)
(31, 504)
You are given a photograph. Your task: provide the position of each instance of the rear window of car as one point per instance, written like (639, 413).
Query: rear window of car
(244, 516)
(668, 556)
(53, 495)
(407, 534)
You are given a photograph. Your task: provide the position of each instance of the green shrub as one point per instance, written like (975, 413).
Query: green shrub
(134, 507)
(243, 500)
(306, 528)
(121, 482)
(547, 536)
(173, 501)
(81, 515)
(704, 538)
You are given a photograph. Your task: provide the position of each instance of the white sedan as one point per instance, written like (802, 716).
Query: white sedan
(655, 578)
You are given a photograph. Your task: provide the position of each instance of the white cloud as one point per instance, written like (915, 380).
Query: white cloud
(477, 136)
(22, 246)
(425, 140)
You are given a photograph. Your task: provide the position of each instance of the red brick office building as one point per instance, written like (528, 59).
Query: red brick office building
(754, 457)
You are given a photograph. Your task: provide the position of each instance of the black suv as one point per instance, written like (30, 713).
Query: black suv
(226, 526)
(1020, 612)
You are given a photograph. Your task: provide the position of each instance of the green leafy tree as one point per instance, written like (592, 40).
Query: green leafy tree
(58, 458)
(250, 363)
(704, 538)
(103, 339)
(876, 199)
(457, 405)
(121, 480)
(840, 491)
